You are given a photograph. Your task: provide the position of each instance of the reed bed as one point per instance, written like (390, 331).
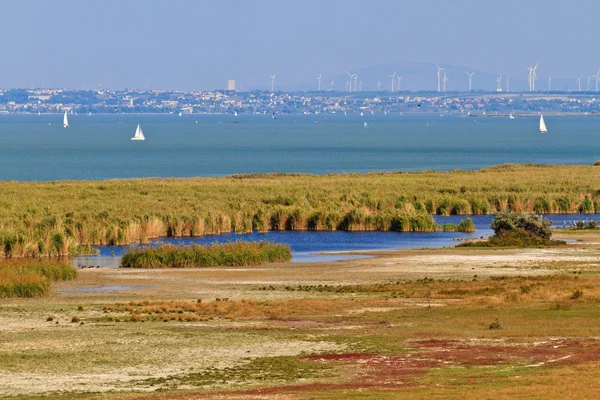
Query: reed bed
(32, 278)
(194, 256)
(67, 217)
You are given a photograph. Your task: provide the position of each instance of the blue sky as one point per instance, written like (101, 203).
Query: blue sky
(187, 44)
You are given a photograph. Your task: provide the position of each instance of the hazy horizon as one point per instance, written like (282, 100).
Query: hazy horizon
(192, 45)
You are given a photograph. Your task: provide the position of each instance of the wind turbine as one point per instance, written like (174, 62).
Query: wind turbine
(534, 77)
(470, 75)
(399, 82)
(578, 83)
(445, 80)
(350, 79)
(597, 79)
(549, 84)
(378, 85)
(499, 83)
(439, 76)
(589, 78)
(332, 83)
(393, 76)
(272, 83)
(355, 79)
(319, 82)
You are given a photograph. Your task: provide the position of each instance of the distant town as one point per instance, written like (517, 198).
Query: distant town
(13, 101)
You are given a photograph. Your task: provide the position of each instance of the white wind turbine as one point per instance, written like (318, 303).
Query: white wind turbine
(399, 82)
(534, 77)
(597, 79)
(439, 70)
(393, 76)
(470, 75)
(499, 83)
(549, 84)
(378, 85)
(445, 80)
(578, 83)
(355, 79)
(319, 82)
(272, 83)
(350, 80)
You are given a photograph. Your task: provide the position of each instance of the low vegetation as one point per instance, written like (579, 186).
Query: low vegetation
(230, 254)
(31, 278)
(518, 230)
(66, 217)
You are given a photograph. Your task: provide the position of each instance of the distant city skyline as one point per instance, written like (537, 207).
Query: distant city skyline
(193, 45)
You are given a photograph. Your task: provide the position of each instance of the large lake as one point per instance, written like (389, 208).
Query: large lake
(38, 148)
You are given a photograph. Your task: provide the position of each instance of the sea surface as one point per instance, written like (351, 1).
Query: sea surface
(311, 246)
(38, 148)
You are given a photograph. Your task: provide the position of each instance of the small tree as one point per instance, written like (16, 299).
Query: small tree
(506, 221)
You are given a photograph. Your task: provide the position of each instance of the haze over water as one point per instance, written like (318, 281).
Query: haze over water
(38, 148)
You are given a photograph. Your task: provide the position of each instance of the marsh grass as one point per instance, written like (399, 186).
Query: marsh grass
(147, 310)
(231, 254)
(31, 278)
(66, 217)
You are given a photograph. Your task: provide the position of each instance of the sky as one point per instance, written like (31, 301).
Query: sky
(198, 44)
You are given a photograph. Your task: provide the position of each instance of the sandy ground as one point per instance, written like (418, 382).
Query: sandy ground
(242, 283)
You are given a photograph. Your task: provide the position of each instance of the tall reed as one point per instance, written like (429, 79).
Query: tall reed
(67, 217)
(230, 254)
(32, 278)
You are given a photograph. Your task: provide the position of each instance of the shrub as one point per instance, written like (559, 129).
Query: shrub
(517, 230)
(531, 223)
(577, 294)
(496, 324)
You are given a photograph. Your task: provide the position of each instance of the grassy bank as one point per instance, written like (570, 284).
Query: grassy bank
(66, 217)
(231, 254)
(31, 278)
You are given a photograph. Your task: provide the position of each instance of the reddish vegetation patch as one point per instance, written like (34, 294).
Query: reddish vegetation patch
(557, 351)
(398, 372)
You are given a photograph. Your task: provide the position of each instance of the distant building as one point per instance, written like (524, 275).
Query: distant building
(231, 84)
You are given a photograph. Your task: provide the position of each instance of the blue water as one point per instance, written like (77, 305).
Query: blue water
(38, 148)
(306, 246)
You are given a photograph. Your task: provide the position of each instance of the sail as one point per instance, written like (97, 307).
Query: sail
(139, 134)
(542, 125)
(66, 120)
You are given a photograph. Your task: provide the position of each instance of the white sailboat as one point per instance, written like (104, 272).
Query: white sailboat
(542, 125)
(365, 124)
(180, 114)
(139, 134)
(66, 120)
(511, 116)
